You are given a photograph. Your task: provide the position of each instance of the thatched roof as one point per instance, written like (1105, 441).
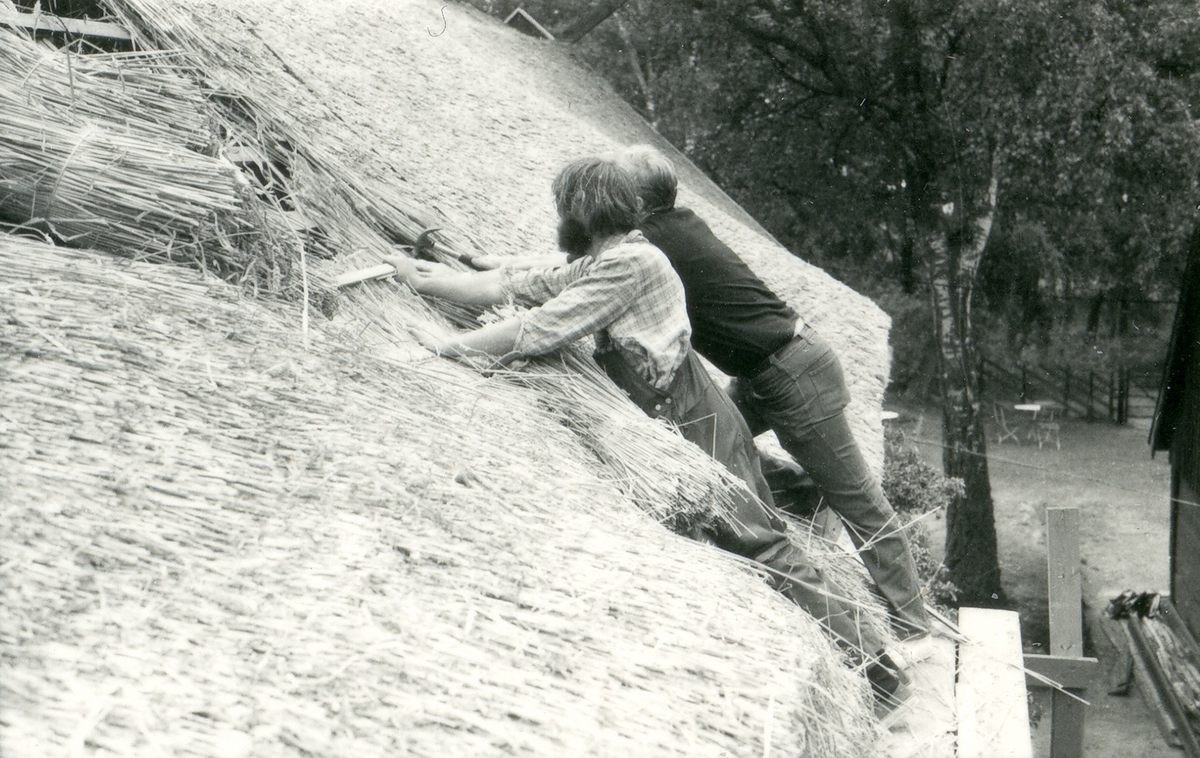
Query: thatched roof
(214, 538)
(231, 532)
(476, 120)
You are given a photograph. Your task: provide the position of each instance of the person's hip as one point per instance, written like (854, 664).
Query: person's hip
(804, 371)
(804, 343)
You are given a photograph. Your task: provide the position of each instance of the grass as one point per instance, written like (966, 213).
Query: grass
(1104, 470)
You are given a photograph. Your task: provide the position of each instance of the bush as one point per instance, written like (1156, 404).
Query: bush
(915, 488)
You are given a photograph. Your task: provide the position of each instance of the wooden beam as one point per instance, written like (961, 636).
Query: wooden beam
(1068, 673)
(1119, 632)
(597, 14)
(1065, 582)
(991, 700)
(524, 23)
(1066, 625)
(44, 22)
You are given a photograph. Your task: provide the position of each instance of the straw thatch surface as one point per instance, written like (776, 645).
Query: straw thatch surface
(234, 528)
(449, 106)
(216, 543)
(286, 168)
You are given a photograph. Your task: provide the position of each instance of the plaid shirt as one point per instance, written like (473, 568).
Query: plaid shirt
(628, 296)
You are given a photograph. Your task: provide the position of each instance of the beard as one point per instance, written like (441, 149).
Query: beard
(573, 238)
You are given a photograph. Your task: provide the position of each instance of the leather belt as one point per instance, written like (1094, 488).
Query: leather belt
(765, 363)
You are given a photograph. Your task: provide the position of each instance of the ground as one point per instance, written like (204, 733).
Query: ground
(1122, 494)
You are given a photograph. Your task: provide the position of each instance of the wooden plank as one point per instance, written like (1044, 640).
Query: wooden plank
(1068, 673)
(1065, 581)
(382, 271)
(992, 704)
(524, 23)
(924, 726)
(44, 22)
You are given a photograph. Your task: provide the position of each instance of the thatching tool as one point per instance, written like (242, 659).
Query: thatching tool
(424, 243)
(422, 247)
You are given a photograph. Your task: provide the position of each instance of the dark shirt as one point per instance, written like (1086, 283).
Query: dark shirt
(737, 322)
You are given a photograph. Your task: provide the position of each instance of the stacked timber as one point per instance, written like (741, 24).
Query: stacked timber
(1168, 658)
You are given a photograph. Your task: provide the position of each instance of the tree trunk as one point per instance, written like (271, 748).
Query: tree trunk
(971, 553)
(908, 265)
(641, 75)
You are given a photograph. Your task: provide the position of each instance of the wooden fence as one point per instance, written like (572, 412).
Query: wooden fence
(1119, 396)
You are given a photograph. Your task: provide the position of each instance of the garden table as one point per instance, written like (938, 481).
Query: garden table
(1039, 421)
(1025, 419)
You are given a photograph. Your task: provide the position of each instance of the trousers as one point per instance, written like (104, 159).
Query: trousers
(706, 416)
(801, 394)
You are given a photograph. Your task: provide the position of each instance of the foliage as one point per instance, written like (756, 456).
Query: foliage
(914, 489)
(912, 486)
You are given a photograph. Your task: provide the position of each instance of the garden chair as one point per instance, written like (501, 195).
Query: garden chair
(1003, 430)
(1045, 427)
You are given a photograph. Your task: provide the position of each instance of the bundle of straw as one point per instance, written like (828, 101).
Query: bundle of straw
(149, 92)
(95, 178)
(105, 151)
(94, 187)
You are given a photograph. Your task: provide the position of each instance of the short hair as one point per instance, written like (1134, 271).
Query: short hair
(599, 195)
(653, 175)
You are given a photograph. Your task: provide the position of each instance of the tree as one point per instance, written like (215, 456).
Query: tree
(1105, 160)
(937, 120)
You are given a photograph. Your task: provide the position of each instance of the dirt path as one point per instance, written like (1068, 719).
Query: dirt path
(1106, 471)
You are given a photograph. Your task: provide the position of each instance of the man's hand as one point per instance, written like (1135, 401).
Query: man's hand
(434, 338)
(409, 270)
(406, 268)
(482, 288)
